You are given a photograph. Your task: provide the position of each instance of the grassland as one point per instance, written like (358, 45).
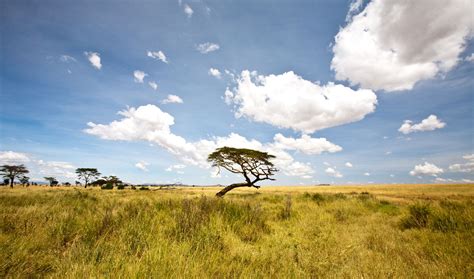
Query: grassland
(396, 231)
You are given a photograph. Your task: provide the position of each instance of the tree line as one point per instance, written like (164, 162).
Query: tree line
(253, 165)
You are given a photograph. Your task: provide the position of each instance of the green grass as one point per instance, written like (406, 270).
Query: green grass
(293, 233)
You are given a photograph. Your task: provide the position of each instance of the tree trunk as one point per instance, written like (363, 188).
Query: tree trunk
(11, 182)
(222, 192)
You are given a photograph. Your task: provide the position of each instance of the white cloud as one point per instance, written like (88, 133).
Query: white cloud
(450, 180)
(142, 165)
(348, 164)
(175, 167)
(367, 173)
(94, 59)
(187, 10)
(289, 101)
(426, 169)
(207, 47)
(11, 157)
(333, 172)
(306, 144)
(354, 8)
(157, 55)
(150, 123)
(429, 124)
(153, 85)
(139, 76)
(53, 168)
(326, 164)
(391, 45)
(172, 99)
(465, 167)
(470, 58)
(214, 72)
(67, 58)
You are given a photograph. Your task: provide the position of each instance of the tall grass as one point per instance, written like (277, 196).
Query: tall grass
(95, 233)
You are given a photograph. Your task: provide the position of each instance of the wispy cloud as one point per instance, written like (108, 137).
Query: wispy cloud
(158, 55)
(172, 99)
(207, 47)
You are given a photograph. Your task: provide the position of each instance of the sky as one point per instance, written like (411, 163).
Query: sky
(341, 92)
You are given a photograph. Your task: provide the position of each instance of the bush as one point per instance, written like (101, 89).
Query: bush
(120, 187)
(418, 216)
(108, 186)
(144, 188)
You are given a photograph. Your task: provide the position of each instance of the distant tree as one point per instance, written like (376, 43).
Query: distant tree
(52, 181)
(12, 172)
(6, 181)
(24, 180)
(113, 179)
(78, 183)
(87, 174)
(66, 184)
(254, 165)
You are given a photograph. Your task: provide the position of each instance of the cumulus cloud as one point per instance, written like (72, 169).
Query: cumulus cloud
(157, 55)
(11, 157)
(207, 47)
(367, 173)
(426, 169)
(333, 172)
(429, 124)
(188, 11)
(306, 144)
(464, 167)
(214, 72)
(142, 165)
(94, 59)
(354, 7)
(139, 76)
(150, 123)
(153, 85)
(348, 164)
(172, 99)
(289, 101)
(391, 45)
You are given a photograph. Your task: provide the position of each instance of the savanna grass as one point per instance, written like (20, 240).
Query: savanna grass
(68, 233)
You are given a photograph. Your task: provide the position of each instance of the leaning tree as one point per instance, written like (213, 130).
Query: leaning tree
(254, 165)
(12, 172)
(87, 174)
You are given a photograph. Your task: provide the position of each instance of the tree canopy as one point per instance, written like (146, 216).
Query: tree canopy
(254, 165)
(87, 175)
(13, 171)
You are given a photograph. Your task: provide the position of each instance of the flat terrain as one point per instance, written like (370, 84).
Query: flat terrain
(377, 231)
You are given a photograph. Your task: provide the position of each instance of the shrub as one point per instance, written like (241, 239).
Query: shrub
(120, 187)
(108, 186)
(418, 216)
(285, 213)
(144, 188)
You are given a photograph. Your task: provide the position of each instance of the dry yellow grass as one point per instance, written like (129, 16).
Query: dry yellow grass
(377, 231)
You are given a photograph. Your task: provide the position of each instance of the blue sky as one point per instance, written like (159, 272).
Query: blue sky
(307, 71)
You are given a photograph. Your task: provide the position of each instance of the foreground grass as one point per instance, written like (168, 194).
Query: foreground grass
(278, 232)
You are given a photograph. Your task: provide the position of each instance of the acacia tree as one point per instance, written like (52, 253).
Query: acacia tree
(254, 165)
(12, 172)
(52, 181)
(87, 174)
(24, 180)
